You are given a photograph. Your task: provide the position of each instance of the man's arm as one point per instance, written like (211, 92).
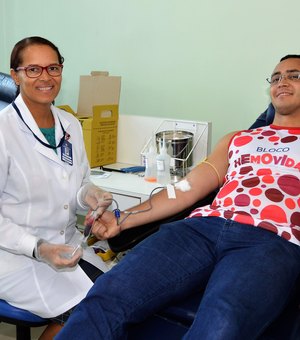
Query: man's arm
(202, 180)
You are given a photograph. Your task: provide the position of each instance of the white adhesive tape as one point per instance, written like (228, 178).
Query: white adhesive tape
(171, 191)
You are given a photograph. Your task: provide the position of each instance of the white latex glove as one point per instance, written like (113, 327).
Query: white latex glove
(91, 196)
(58, 256)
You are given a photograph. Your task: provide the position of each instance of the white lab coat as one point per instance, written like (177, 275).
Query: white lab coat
(38, 199)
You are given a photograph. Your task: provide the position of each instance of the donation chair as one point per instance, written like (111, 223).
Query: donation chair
(173, 321)
(22, 319)
(8, 90)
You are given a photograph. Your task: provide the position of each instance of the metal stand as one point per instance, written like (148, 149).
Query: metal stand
(181, 166)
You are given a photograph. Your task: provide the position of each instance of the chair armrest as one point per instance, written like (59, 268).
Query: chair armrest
(130, 237)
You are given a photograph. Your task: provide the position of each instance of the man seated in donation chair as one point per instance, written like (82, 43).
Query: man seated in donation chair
(236, 260)
(174, 320)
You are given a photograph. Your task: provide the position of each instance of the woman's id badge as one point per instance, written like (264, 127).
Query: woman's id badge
(66, 152)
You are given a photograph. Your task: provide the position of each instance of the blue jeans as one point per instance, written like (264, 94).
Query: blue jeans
(248, 273)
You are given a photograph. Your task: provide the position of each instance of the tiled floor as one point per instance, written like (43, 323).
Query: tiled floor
(8, 332)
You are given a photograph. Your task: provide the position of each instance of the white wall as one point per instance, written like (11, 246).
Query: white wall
(203, 60)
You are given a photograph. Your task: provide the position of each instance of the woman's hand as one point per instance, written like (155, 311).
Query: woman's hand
(93, 197)
(58, 256)
(106, 226)
(98, 199)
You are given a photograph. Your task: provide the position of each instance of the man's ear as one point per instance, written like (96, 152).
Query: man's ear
(15, 76)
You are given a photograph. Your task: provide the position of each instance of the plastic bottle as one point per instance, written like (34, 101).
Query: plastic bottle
(163, 165)
(150, 164)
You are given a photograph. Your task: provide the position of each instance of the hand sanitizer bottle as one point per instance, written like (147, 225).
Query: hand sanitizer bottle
(150, 164)
(163, 165)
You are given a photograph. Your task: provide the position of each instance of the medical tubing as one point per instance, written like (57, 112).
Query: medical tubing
(134, 212)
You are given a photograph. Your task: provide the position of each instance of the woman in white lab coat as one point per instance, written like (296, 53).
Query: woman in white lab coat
(44, 178)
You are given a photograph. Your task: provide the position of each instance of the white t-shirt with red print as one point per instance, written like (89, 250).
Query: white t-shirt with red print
(262, 185)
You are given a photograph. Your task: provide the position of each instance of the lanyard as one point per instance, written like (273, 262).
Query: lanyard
(35, 136)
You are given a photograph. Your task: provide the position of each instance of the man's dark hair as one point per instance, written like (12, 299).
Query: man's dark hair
(289, 56)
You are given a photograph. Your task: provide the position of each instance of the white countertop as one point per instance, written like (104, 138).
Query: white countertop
(124, 182)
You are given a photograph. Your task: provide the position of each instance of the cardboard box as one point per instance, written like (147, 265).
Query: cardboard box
(97, 89)
(98, 113)
(100, 134)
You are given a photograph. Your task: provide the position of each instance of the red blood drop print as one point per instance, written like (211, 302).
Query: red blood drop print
(272, 212)
(245, 170)
(274, 195)
(251, 182)
(227, 189)
(268, 226)
(289, 184)
(289, 139)
(268, 133)
(295, 218)
(243, 140)
(296, 233)
(242, 200)
(244, 218)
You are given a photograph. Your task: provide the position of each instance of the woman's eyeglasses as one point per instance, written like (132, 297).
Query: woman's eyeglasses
(34, 71)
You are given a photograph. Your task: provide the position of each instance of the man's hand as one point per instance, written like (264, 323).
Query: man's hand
(106, 226)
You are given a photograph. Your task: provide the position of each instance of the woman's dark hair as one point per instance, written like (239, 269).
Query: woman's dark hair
(17, 52)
